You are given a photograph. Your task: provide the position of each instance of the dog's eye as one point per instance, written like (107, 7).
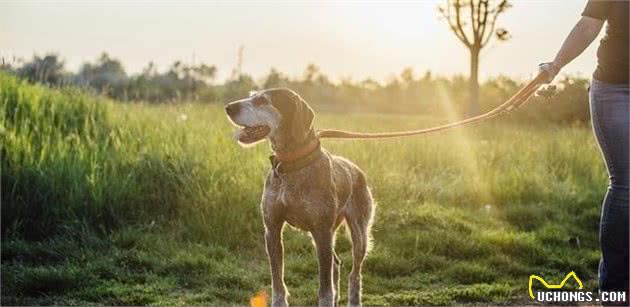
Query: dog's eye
(260, 100)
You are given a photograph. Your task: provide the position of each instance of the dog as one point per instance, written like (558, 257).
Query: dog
(308, 188)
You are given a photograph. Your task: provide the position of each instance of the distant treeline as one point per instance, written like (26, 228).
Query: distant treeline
(406, 93)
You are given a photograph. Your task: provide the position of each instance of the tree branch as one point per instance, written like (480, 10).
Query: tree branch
(493, 22)
(494, 13)
(458, 6)
(453, 24)
(485, 18)
(474, 21)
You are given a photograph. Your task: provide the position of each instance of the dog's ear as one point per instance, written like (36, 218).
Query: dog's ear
(297, 114)
(302, 121)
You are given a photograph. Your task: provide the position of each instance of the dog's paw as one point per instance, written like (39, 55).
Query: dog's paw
(327, 300)
(279, 301)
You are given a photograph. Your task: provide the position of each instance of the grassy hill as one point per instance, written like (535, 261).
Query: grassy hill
(132, 204)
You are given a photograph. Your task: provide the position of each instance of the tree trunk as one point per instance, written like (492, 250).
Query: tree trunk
(473, 107)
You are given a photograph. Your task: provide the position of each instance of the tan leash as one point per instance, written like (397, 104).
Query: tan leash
(511, 104)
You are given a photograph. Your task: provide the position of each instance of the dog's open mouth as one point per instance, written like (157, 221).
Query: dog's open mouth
(248, 135)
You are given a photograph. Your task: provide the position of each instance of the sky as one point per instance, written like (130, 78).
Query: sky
(355, 40)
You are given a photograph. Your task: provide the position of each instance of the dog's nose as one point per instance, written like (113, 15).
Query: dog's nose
(232, 109)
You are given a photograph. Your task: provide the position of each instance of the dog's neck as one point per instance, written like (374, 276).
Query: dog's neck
(287, 152)
(283, 142)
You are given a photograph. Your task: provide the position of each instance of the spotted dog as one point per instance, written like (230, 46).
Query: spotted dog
(308, 188)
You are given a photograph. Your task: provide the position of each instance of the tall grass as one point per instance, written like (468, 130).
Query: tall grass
(52, 143)
(135, 204)
(68, 161)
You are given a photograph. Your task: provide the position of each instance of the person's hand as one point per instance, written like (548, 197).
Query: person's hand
(550, 69)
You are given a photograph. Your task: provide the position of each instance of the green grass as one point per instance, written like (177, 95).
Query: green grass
(113, 204)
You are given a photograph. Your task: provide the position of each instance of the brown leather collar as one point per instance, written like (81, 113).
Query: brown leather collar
(296, 160)
(290, 156)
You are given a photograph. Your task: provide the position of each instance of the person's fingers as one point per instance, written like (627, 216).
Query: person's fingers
(549, 69)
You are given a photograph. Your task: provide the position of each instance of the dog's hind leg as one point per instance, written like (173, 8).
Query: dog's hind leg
(336, 272)
(337, 263)
(359, 220)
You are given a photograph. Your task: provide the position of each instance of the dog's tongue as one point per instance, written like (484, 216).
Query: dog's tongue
(250, 135)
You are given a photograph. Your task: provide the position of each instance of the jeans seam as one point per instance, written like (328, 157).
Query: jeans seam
(599, 135)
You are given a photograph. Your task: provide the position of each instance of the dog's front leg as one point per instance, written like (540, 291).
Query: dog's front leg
(324, 243)
(273, 240)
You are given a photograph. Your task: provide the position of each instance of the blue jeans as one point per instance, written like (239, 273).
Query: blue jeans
(610, 118)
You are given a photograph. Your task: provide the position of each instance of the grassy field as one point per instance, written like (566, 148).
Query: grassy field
(132, 204)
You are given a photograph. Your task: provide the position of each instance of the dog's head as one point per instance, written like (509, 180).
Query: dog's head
(280, 114)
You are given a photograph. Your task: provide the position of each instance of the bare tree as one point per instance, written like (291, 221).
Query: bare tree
(473, 22)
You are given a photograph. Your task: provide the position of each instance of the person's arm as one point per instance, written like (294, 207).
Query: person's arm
(582, 35)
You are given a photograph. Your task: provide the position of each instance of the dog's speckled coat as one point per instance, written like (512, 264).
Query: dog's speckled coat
(316, 198)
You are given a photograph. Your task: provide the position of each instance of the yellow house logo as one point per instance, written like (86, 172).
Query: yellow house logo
(548, 286)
